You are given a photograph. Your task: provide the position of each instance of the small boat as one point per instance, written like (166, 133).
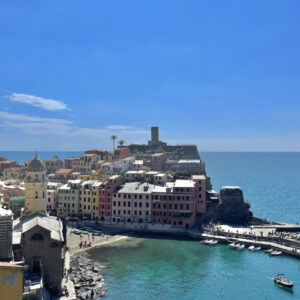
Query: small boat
(269, 250)
(257, 248)
(236, 245)
(283, 281)
(231, 245)
(275, 253)
(251, 248)
(212, 242)
(241, 247)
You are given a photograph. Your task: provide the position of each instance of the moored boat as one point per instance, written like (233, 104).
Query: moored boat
(275, 253)
(268, 250)
(251, 248)
(241, 247)
(283, 281)
(257, 248)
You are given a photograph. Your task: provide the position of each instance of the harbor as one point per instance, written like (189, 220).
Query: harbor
(266, 237)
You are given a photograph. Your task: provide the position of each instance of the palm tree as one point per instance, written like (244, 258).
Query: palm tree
(114, 137)
(121, 143)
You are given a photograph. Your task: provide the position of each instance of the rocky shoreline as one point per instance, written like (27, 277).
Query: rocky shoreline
(88, 278)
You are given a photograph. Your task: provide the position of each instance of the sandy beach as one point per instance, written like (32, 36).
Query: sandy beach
(73, 241)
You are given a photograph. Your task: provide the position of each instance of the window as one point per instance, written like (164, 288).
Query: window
(54, 245)
(36, 196)
(147, 204)
(140, 197)
(181, 206)
(135, 204)
(128, 204)
(115, 203)
(141, 204)
(37, 237)
(124, 203)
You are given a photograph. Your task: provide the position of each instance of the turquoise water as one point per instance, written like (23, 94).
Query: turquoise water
(169, 269)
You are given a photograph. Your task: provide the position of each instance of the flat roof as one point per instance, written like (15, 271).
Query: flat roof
(199, 177)
(189, 161)
(228, 187)
(184, 183)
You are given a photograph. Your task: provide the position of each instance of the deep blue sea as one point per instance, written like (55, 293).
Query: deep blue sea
(171, 269)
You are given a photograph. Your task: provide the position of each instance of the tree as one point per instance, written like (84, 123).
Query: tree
(114, 137)
(121, 143)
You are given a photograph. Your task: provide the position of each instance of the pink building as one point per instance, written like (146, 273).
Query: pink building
(52, 195)
(158, 161)
(132, 203)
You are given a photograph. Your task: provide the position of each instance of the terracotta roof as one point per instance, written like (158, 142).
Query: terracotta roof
(64, 171)
(10, 265)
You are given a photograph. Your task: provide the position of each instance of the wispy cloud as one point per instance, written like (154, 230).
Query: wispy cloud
(60, 127)
(46, 104)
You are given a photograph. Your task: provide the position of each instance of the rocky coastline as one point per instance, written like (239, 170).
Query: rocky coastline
(88, 277)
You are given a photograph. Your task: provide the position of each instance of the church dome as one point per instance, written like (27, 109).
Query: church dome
(36, 165)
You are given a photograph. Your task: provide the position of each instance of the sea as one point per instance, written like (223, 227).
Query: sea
(164, 268)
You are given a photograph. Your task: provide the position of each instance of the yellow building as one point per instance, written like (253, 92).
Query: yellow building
(35, 187)
(89, 199)
(11, 281)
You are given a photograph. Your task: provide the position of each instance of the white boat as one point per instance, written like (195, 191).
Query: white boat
(241, 247)
(236, 246)
(275, 253)
(283, 281)
(212, 242)
(251, 248)
(257, 248)
(268, 250)
(231, 245)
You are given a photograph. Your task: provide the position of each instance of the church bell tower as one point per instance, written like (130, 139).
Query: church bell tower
(35, 187)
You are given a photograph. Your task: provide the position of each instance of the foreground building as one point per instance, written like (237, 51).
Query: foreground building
(6, 217)
(37, 237)
(11, 281)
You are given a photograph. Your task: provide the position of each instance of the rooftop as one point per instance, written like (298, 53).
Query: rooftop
(7, 265)
(184, 183)
(137, 187)
(36, 165)
(51, 224)
(5, 212)
(63, 171)
(189, 161)
(198, 177)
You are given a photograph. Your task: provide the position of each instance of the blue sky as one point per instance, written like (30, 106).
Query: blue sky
(220, 74)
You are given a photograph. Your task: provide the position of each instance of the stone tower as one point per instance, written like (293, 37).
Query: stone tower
(35, 187)
(154, 136)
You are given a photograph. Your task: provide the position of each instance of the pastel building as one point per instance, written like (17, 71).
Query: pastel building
(132, 203)
(106, 192)
(89, 199)
(11, 281)
(72, 163)
(52, 195)
(87, 162)
(69, 199)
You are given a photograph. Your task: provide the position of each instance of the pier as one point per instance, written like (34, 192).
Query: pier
(265, 237)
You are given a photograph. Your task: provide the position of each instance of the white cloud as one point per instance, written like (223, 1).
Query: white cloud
(46, 104)
(64, 128)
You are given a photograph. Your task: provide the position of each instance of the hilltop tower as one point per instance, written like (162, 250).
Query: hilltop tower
(35, 187)
(155, 142)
